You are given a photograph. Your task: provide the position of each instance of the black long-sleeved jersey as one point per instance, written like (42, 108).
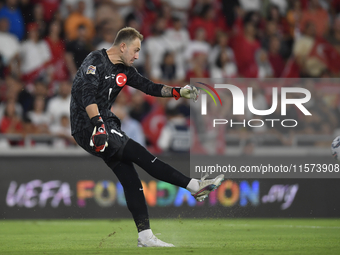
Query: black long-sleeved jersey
(99, 81)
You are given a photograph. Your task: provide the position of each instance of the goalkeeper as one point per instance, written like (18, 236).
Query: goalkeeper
(96, 129)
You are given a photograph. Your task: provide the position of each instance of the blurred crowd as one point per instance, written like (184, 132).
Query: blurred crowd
(43, 43)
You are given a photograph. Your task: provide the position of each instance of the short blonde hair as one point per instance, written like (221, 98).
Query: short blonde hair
(127, 35)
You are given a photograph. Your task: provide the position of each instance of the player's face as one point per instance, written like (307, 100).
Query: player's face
(131, 53)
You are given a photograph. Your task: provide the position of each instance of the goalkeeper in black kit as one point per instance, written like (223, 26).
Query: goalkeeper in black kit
(96, 129)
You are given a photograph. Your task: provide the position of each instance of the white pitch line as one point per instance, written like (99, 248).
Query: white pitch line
(279, 226)
(227, 225)
(57, 223)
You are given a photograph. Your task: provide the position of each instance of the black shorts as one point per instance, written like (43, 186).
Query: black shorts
(116, 143)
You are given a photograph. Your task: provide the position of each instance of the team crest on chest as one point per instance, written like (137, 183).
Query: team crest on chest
(91, 70)
(121, 79)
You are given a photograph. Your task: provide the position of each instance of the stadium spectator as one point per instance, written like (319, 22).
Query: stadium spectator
(181, 8)
(34, 54)
(57, 48)
(245, 45)
(77, 19)
(2, 67)
(250, 5)
(299, 36)
(17, 92)
(314, 54)
(139, 107)
(38, 18)
(155, 47)
(334, 36)
(11, 97)
(69, 6)
(11, 122)
(11, 12)
(280, 5)
(106, 13)
(124, 6)
(153, 123)
(199, 68)
(258, 21)
(59, 105)
(197, 46)
(169, 72)
(282, 26)
(179, 39)
(62, 131)
(293, 18)
(209, 21)
(131, 21)
(175, 135)
(108, 38)
(335, 7)
(130, 126)
(40, 89)
(318, 16)
(9, 47)
(26, 8)
(165, 11)
(221, 58)
(224, 66)
(229, 9)
(38, 116)
(284, 39)
(264, 67)
(222, 42)
(274, 56)
(77, 50)
(50, 7)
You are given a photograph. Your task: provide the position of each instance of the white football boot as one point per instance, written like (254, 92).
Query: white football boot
(153, 241)
(206, 186)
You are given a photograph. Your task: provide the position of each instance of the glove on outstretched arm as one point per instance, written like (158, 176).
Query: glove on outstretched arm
(188, 92)
(99, 136)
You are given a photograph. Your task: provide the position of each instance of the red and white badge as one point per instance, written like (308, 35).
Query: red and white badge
(121, 79)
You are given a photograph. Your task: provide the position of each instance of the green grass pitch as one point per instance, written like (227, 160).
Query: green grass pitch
(190, 236)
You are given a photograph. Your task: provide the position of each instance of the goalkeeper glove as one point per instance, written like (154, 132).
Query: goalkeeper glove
(99, 136)
(188, 92)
